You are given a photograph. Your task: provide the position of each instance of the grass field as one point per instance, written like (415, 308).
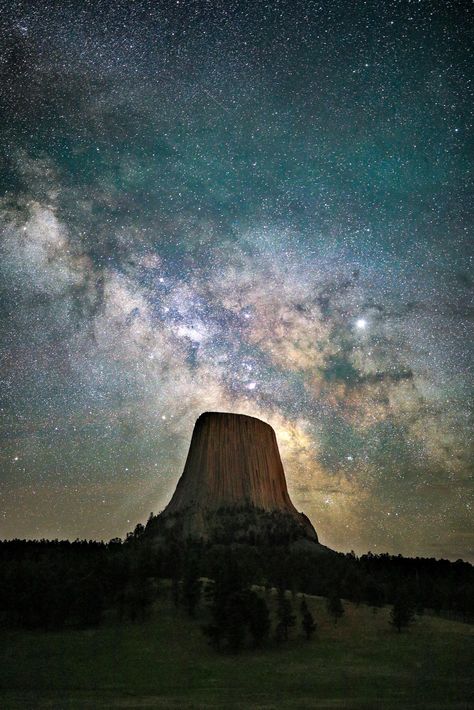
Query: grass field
(166, 663)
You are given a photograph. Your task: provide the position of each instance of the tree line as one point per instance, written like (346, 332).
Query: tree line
(57, 584)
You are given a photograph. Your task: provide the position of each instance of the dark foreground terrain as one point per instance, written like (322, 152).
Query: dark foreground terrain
(165, 662)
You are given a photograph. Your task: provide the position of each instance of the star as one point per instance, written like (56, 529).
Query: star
(234, 214)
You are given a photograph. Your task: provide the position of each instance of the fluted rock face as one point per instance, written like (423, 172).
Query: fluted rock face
(233, 462)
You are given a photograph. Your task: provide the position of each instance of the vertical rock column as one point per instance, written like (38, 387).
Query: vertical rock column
(233, 460)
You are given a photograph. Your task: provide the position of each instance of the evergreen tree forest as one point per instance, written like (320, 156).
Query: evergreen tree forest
(61, 584)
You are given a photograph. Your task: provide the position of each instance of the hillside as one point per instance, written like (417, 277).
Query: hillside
(166, 663)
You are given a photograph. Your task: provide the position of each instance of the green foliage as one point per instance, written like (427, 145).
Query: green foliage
(334, 606)
(252, 526)
(374, 594)
(285, 616)
(57, 584)
(258, 618)
(135, 600)
(235, 618)
(191, 587)
(307, 620)
(236, 611)
(403, 610)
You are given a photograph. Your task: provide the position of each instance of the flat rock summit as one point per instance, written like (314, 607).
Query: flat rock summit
(234, 477)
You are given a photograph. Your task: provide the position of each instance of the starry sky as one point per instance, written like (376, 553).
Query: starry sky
(258, 207)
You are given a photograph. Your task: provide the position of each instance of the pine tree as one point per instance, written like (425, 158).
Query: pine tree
(235, 621)
(226, 607)
(307, 621)
(135, 600)
(191, 588)
(174, 568)
(334, 607)
(258, 618)
(374, 595)
(286, 618)
(403, 612)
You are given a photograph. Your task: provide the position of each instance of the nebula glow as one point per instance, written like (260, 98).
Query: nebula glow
(255, 207)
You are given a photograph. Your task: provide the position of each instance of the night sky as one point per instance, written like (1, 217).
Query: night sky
(258, 207)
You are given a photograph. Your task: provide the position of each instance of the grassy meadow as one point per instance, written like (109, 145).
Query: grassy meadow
(166, 663)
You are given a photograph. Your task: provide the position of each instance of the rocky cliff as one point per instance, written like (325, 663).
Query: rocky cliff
(234, 466)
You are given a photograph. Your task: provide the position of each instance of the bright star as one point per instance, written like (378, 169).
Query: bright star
(361, 323)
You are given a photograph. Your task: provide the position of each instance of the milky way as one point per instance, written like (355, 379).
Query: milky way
(253, 207)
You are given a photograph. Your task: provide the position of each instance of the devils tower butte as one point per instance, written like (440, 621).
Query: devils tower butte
(233, 462)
